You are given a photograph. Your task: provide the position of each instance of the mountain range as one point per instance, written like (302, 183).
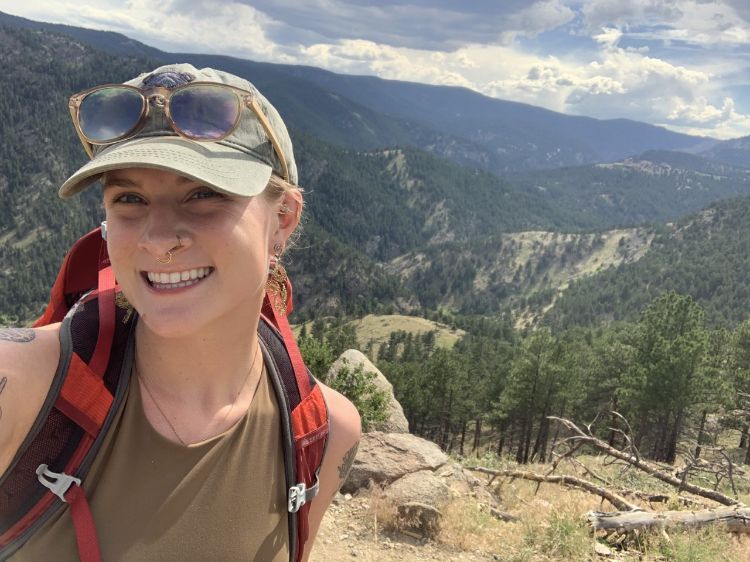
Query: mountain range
(364, 112)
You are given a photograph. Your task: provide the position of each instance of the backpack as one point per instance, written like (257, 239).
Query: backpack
(96, 337)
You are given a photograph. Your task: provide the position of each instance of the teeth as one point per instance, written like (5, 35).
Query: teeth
(178, 279)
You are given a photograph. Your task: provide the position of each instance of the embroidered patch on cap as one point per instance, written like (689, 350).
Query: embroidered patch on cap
(167, 79)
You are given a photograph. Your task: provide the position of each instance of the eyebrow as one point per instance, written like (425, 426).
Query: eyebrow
(121, 182)
(109, 181)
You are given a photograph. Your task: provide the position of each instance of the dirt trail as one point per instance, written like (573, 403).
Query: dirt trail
(348, 532)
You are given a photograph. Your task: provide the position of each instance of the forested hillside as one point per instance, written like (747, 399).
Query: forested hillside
(704, 255)
(39, 149)
(654, 187)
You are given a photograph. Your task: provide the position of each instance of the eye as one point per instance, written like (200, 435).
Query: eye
(205, 193)
(128, 199)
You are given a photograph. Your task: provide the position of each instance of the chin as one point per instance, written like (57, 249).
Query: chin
(171, 324)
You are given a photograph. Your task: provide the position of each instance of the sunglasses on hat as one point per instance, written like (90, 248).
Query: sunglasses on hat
(199, 111)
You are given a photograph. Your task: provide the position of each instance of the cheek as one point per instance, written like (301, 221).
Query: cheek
(121, 246)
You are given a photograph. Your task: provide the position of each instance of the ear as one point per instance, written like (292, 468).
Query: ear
(288, 212)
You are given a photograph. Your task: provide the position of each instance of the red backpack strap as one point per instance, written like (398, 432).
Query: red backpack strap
(77, 275)
(276, 312)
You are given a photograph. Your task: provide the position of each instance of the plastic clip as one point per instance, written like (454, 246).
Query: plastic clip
(297, 497)
(58, 482)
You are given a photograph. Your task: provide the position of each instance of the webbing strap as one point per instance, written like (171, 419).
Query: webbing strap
(282, 324)
(84, 398)
(106, 299)
(83, 521)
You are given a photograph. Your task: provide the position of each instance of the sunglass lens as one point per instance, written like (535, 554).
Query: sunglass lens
(109, 114)
(204, 112)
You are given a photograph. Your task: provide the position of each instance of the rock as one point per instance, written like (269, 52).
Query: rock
(419, 518)
(420, 487)
(386, 457)
(396, 420)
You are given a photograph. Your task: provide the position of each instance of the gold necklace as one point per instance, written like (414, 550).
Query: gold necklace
(164, 416)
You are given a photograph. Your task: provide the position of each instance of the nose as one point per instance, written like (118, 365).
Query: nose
(164, 235)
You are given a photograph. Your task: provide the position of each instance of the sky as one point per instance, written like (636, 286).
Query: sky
(682, 64)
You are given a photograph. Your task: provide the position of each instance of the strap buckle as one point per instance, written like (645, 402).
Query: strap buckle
(57, 482)
(300, 494)
(297, 497)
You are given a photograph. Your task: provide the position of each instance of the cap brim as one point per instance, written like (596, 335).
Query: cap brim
(218, 166)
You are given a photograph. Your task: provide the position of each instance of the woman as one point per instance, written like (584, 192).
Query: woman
(200, 196)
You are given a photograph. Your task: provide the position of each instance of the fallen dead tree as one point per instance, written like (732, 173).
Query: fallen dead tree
(571, 481)
(736, 519)
(735, 515)
(581, 436)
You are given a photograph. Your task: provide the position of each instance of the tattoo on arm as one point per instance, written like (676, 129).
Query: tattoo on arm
(17, 335)
(3, 382)
(347, 462)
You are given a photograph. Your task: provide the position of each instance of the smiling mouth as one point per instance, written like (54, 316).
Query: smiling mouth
(177, 279)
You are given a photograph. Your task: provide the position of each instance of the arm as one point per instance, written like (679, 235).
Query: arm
(28, 361)
(344, 430)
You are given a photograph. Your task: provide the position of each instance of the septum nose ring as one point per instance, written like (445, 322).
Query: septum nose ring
(168, 256)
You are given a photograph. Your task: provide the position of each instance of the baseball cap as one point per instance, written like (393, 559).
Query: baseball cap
(239, 164)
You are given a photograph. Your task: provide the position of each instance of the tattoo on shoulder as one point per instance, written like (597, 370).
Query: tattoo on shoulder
(17, 335)
(347, 462)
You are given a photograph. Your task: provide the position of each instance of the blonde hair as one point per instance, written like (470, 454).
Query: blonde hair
(277, 187)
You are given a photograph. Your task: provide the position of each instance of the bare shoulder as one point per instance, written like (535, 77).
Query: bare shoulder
(28, 361)
(345, 426)
(344, 432)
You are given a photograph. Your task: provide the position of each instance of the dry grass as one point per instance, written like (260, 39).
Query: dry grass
(379, 328)
(553, 527)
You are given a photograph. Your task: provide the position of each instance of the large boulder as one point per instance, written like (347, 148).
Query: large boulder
(396, 420)
(386, 457)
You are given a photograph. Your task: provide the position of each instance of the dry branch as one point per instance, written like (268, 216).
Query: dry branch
(736, 519)
(500, 515)
(664, 498)
(572, 481)
(648, 468)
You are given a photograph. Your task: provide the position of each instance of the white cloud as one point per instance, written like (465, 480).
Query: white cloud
(366, 57)
(207, 26)
(693, 22)
(608, 37)
(700, 112)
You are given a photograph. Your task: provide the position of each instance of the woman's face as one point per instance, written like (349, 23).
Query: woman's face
(218, 274)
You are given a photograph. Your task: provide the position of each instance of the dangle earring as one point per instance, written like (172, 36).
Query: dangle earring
(125, 305)
(276, 286)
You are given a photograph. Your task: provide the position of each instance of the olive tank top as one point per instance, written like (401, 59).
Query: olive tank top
(152, 499)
